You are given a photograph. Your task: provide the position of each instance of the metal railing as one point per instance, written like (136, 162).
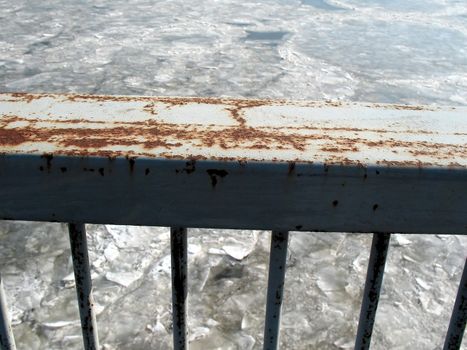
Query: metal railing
(226, 163)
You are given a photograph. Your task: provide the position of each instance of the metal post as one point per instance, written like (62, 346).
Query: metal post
(459, 315)
(374, 280)
(79, 253)
(277, 266)
(178, 245)
(7, 341)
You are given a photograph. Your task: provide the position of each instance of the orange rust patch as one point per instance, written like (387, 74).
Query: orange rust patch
(409, 108)
(150, 108)
(173, 101)
(87, 139)
(404, 164)
(27, 97)
(339, 149)
(11, 137)
(102, 98)
(356, 130)
(236, 111)
(403, 107)
(151, 134)
(236, 105)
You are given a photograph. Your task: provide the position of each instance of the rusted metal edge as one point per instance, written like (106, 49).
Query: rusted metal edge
(275, 290)
(233, 194)
(328, 132)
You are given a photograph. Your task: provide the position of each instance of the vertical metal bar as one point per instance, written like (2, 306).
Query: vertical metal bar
(277, 265)
(179, 245)
(7, 341)
(79, 253)
(374, 280)
(459, 316)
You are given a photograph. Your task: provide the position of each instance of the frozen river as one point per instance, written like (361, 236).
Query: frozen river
(359, 50)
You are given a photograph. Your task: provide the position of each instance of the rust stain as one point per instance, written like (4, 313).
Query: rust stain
(236, 111)
(150, 108)
(131, 162)
(26, 97)
(404, 107)
(178, 101)
(334, 149)
(291, 168)
(150, 134)
(189, 168)
(48, 157)
(101, 98)
(403, 164)
(214, 174)
(173, 101)
(11, 137)
(359, 130)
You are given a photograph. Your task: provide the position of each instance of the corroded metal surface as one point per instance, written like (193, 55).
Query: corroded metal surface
(371, 293)
(275, 291)
(230, 129)
(224, 163)
(79, 254)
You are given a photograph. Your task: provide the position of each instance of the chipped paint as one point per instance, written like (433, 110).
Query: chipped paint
(329, 132)
(79, 254)
(276, 282)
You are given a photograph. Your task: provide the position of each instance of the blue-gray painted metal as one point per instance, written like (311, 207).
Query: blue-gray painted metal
(374, 280)
(7, 341)
(233, 163)
(231, 194)
(179, 245)
(277, 267)
(79, 253)
(459, 316)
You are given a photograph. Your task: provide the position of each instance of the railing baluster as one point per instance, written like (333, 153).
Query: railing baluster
(7, 341)
(277, 266)
(179, 245)
(79, 253)
(459, 315)
(374, 280)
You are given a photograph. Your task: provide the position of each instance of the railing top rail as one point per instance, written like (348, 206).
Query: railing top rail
(227, 163)
(346, 133)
